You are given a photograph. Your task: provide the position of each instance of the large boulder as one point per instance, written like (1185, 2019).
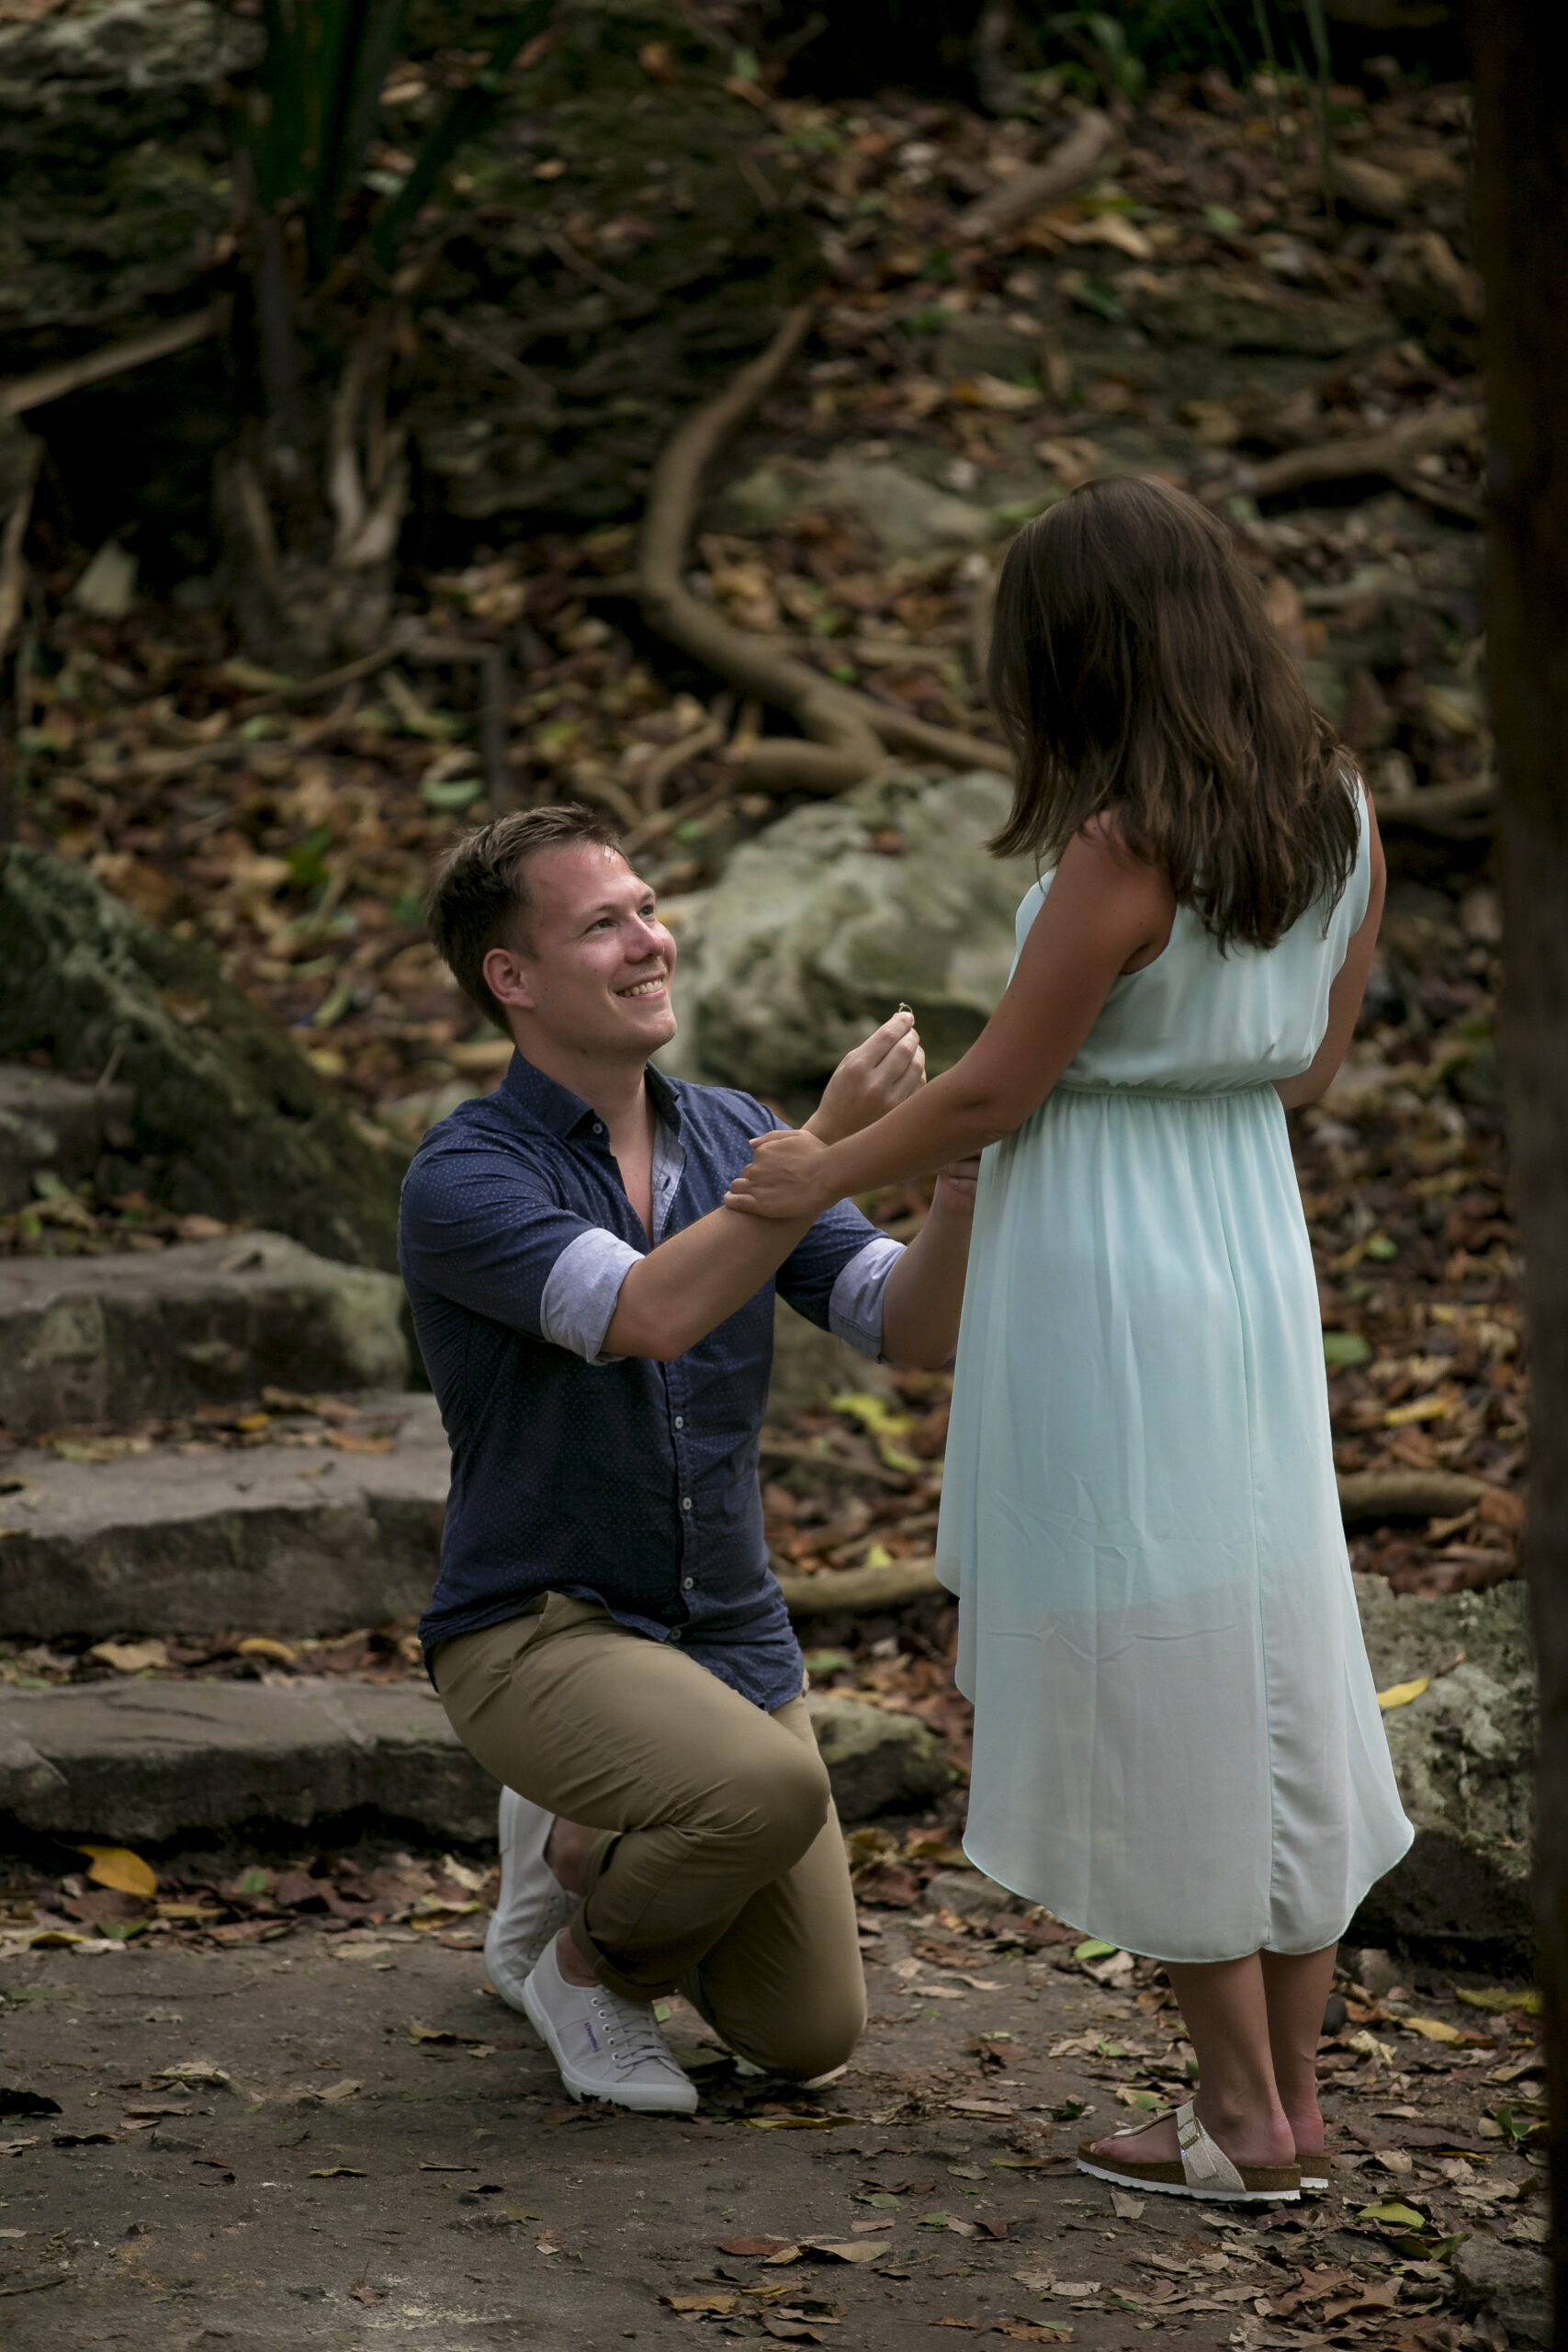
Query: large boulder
(877, 1761)
(824, 921)
(228, 1118)
(1464, 1753)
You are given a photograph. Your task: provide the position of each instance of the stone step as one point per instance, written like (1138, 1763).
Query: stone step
(139, 1763)
(53, 1127)
(133, 1334)
(273, 1539)
(135, 1763)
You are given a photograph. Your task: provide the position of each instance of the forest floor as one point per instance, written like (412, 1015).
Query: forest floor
(337, 2134)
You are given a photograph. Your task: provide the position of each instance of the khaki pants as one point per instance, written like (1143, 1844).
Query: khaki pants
(720, 1866)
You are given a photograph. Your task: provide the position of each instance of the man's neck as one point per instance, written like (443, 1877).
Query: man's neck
(616, 1089)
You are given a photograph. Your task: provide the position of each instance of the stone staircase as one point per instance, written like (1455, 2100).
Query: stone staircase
(323, 1513)
(312, 1521)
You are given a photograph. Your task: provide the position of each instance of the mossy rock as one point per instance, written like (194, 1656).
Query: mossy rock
(229, 1115)
(655, 258)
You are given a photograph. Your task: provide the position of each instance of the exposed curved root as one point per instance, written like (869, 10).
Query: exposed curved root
(849, 734)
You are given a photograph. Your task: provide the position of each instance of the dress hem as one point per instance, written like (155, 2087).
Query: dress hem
(1194, 1960)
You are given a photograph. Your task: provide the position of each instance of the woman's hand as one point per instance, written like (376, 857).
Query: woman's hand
(874, 1077)
(786, 1178)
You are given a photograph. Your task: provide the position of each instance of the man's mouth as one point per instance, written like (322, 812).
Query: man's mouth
(654, 986)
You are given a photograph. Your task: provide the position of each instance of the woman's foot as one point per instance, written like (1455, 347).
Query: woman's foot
(1197, 2165)
(1245, 2139)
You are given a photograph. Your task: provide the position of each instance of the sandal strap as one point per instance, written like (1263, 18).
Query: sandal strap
(1203, 2163)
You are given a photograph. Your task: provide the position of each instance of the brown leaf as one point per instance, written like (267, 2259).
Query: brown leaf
(338, 2172)
(719, 2305)
(757, 2249)
(364, 2292)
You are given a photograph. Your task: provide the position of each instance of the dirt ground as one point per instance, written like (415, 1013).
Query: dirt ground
(346, 2139)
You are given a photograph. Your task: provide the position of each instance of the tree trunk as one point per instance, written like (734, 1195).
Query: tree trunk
(1522, 230)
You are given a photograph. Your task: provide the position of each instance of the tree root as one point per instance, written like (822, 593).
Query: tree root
(1389, 452)
(1364, 1496)
(1367, 1495)
(1030, 192)
(849, 734)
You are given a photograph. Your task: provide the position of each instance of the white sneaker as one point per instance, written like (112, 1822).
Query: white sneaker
(605, 2046)
(532, 1906)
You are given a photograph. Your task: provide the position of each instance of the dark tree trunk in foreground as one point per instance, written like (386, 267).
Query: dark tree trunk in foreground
(1522, 234)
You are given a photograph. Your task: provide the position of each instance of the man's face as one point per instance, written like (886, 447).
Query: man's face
(593, 975)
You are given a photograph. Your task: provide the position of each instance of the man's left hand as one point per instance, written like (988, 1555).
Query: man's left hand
(871, 1081)
(955, 1185)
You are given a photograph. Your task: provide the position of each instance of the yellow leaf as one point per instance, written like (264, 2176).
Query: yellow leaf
(879, 1556)
(1400, 1694)
(1404, 2217)
(720, 2305)
(1434, 2029)
(873, 1413)
(262, 1646)
(1424, 1409)
(117, 1867)
(250, 1423)
(1495, 1998)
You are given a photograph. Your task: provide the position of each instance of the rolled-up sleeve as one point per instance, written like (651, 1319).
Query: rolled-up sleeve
(480, 1227)
(579, 1300)
(854, 1303)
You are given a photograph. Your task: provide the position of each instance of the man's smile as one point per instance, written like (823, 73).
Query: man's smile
(654, 986)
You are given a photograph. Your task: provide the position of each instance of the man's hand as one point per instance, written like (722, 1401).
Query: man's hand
(873, 1078)
(955, 1186)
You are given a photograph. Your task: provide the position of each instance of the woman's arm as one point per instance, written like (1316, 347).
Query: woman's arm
(1104, 912)
(1345, 996)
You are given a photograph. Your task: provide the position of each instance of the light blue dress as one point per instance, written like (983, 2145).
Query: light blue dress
(1177, 1744)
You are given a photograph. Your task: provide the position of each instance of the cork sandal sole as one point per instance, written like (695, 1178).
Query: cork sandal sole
(1260, 2184)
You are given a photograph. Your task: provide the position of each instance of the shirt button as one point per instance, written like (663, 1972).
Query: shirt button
(598, 1127)
(688, 1582)
(685, 1502)
(674, 1632)
(680, 1420)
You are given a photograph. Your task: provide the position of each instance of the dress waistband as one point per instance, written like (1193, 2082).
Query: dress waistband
(1165, 1094)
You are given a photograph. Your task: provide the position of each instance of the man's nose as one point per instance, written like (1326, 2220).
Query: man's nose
(650, 938)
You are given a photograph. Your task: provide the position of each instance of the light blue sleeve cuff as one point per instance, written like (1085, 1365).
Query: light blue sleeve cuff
(579, 1297)
(854, 1307)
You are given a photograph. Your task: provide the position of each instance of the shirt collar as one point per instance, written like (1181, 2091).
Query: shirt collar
(543, 1103)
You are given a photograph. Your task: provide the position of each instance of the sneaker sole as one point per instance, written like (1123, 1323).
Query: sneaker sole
(649, 2101)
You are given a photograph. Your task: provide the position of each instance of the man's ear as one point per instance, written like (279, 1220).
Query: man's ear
(509, 979)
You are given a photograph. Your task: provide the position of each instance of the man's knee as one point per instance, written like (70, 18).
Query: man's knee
(773, 1805)
(818, 2036)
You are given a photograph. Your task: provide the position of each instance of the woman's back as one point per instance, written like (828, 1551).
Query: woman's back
(1197, 1022)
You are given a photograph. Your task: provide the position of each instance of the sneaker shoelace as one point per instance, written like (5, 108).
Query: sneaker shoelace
(631, 2035)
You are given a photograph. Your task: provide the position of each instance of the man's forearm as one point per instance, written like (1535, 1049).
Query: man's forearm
(924, 1297)
(696, 1280)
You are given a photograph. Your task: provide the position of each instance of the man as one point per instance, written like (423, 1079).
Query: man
(605, 1634)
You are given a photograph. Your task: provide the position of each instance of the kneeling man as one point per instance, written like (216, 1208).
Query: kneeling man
(607, 1635)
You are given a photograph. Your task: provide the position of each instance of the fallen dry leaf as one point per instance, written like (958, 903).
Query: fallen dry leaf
(364, 2292)
(338, 2172)
(117, 1867)
(719, 2305)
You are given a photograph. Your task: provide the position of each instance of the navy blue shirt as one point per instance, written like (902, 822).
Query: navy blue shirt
(614, 1479)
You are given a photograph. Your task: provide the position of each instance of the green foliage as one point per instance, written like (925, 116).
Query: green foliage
(321, 84)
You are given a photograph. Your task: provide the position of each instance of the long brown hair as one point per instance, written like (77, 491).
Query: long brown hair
(1135, 669)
